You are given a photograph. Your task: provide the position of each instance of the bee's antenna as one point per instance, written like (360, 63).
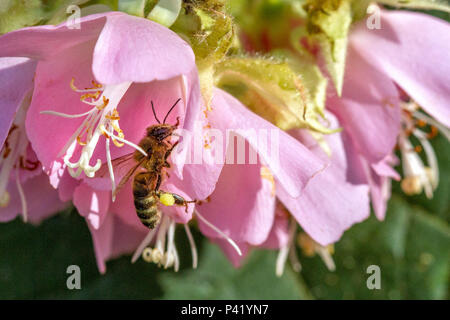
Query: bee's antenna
(171, 110)
(154, 113)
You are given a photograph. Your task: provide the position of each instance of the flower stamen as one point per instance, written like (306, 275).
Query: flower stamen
(101, 120)
(192, 245)
(417, 175)
(158, 254)
(221, 233)
(284, 251)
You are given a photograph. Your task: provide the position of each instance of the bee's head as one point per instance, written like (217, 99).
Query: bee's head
(160, 131)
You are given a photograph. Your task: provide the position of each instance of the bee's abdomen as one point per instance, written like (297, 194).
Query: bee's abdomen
(147, 210)
(145, 201)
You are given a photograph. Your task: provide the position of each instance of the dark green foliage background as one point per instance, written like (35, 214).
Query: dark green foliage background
(411, 247)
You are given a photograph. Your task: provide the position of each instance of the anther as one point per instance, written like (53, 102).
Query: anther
(411, 185)
(434, 132)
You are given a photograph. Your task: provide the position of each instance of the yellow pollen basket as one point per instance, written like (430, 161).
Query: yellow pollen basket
(167, 199)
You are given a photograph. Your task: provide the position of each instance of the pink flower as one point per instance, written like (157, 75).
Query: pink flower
(405, 52)
(126, 62)
(24, 188)
(243, 203)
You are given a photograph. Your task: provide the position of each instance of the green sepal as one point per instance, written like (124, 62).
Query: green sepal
(328, 23)
(270, 88)
(441, 5)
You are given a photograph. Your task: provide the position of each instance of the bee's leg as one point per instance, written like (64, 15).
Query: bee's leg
(158, 183)
(170, 150)
(177, 123)
(200, 202)
(186, 204)
(179, 200)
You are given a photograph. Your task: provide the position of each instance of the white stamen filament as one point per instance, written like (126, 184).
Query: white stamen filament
(193, 246)
(326, 257)
(223, 235)
(294, 260)
(161, 236)
(66, 115)
(111, 171)
(170, 245)
(159, 255)
(23, 200)
(284, 251)
(431, 157)
(176, 260)
(145, 243)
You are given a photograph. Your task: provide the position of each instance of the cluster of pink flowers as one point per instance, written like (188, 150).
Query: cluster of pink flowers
(73, 100)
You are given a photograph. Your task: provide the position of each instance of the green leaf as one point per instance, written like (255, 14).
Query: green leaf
(411, 248)
(34, 260)
(217, 279)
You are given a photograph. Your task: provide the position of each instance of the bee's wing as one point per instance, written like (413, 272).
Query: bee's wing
(127, 176)
(120, 166)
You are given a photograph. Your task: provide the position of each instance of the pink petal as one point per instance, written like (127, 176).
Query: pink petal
(384, 168)
(412, 49)
(92, 204)
(292, 164)
(139, 50)
(356, 172)
(62, 181)
(195, 166)
(375, 175)
(16, 77)
(368, 108)
(47, 133)
(380, 192)
(231, 253)
(242, 205)
(279, 234)
(41, 42)
(329, 204)
(42, 200)
(102, 239)
(114, 238)
(25, 174)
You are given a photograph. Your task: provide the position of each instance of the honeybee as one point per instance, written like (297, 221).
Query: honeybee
(148, 171)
